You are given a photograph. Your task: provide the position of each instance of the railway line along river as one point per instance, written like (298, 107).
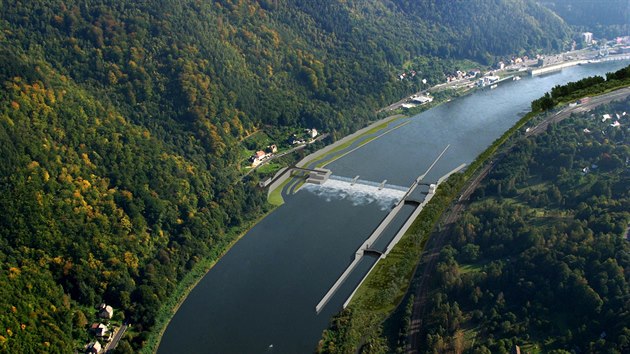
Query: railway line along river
(261, 296)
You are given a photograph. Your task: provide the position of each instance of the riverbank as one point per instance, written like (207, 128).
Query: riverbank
(189, 282)
(275, 199)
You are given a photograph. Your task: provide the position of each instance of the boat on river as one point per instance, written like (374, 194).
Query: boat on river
(494, 86)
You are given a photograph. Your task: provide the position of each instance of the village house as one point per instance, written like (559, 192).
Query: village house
(94, 347)
(312, 132)
(294, 140)
(272, 148)
(258, 157)
(99, 329)
(105, 311)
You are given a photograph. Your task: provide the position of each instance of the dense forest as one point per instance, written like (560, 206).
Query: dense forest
(541, 257)
(118, 122)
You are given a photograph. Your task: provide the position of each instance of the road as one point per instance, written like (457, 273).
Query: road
(448, 219)
(118, 334)
(566, 112)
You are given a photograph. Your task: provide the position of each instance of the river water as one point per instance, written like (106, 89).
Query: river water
(261, 296)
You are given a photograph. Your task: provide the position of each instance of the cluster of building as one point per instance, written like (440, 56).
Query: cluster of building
(620, 43)
(100, 330)
(625, 40)
(310, 134)
(461, 75)
(409, 74)
(416, 100)
(262, 155)
(487, 80)
(616, 123)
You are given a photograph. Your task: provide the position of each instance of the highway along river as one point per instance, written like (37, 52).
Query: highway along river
(261, 296)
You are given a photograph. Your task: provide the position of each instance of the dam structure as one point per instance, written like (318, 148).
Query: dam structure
(367, 247)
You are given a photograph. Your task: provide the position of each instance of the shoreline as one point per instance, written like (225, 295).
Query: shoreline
(204, 266)
(365, 291)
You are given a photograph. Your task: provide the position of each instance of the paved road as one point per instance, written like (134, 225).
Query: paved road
(566, 112)
(118, 334)
(436, 242)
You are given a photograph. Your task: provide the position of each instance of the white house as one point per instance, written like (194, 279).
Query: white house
(422, 99)
(105, 311)
(99, 329)
(94, 347)
(587, 37)
(258, 157)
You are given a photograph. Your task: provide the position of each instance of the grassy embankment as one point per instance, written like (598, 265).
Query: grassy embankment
(386, 286)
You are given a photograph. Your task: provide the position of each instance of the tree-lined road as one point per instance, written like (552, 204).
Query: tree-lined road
(584, 107)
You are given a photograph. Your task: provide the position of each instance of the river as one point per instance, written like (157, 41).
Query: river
(261, 296)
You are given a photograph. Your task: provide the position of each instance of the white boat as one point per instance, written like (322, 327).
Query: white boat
(493, 86)
(516, 78)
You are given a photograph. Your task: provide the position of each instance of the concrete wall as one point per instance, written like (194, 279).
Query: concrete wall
(278, 181)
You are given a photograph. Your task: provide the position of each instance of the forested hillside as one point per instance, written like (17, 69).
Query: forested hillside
(119, 122)
(541, 257)
(607, 18)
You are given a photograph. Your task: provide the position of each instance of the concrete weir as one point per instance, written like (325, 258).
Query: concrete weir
(318, 176)
(365, 247)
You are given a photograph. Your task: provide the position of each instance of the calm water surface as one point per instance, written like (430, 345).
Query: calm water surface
(260, 297)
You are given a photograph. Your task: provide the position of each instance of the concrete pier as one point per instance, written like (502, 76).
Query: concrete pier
(337, 284)
(318, 176)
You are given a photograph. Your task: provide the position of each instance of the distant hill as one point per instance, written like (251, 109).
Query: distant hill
(120, 124)
(591, 12)
(607, 18)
